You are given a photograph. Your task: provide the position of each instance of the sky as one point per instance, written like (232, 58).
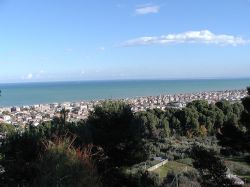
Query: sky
(66, 40)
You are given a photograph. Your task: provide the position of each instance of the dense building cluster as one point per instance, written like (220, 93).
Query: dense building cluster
(35, 114)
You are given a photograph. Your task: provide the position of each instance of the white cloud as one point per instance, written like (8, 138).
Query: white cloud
(203, 36)
(28, 77)
(147, 9)
(34, 76)
(40, 73)
(82, 73)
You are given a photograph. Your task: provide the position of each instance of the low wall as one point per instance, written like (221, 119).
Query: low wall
(157, 165)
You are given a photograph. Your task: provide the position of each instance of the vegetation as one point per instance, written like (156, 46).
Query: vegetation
(115, 146)
(172, 167)
(63, 165)
(6, 129)
(114, 129)
(212, 170)
(240, 166)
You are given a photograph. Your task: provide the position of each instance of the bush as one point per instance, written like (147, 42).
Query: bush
(63, 165)
(187, 161)
(211, 168)
(19, 155)
(184, 179)
(30, 161)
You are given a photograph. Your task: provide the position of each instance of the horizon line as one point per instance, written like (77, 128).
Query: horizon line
(128, 79)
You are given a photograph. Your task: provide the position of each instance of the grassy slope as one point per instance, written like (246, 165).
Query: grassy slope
(175, 166)
(239, 166)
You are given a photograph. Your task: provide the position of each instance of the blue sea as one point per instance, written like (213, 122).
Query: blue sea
(17, 94)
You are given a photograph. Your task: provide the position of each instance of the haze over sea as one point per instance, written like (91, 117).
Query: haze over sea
(17, 94)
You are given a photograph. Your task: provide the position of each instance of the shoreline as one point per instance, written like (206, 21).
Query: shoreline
(127, 98)
(49, 92)
(124, 98)
(35, 114)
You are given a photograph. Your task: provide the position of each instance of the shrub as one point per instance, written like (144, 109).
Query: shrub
(19, 155)
(63, 165)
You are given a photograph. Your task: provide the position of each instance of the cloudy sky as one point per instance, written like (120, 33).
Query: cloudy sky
(57, 40)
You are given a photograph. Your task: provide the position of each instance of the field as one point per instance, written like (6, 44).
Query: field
(177, 166)
(237, 165)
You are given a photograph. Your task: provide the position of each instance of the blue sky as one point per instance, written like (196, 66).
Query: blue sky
(57, 40)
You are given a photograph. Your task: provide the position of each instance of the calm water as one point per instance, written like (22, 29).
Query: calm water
(35, 93)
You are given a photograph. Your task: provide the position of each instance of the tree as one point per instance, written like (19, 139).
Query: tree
(238, 108)
(60, 122)
(200, 105)
(225, 106)
(189, 120)
(231, 136)
(19, 154)
(165, 125)
(202, 131)
(245, 116)
(113, 128)
(212, 170)
(7, 129)
(150, 122)
(209, 115)
(175, 124)
(219, 118)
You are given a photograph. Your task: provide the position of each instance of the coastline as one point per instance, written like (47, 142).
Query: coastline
(35, 114)
(76, 91)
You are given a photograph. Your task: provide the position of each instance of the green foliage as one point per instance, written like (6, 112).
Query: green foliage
(245, 117)
(125, 138)
(149, 122)
(63, 165)
(190, 178)
(212, 170)
(30, 160)
(60, 123)
(19, 154)
(200, 105)
(189, 120)
(165, 126)
(176, 125)
(236, 121)
(7, 129)
(172, 166)
(225, 106)
(198, 119)
(238, 108)
(114, 129)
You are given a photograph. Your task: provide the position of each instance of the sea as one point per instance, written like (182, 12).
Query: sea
(19, 94)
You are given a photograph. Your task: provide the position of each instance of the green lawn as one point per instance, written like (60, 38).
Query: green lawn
(187, 161)
(237, 166)
(175, 166)
(141, 166)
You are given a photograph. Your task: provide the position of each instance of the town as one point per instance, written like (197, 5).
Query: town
(20, 116)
